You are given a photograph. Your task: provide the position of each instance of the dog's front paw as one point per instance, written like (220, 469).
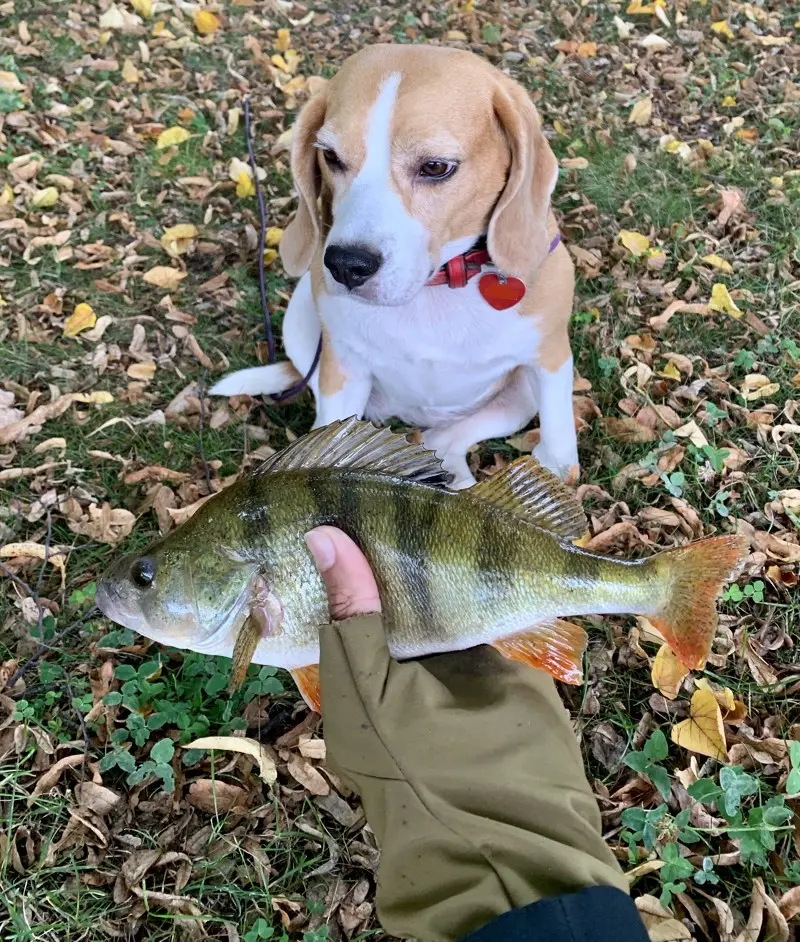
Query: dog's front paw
(564, 465)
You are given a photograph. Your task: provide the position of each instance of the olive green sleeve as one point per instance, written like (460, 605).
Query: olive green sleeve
(470, 776)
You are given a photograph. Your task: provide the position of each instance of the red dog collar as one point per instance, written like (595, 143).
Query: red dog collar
(498, 291)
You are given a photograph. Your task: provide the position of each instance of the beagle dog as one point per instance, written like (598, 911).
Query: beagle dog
(433, 284)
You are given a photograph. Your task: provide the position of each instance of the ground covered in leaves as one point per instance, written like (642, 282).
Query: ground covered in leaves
(128, 263)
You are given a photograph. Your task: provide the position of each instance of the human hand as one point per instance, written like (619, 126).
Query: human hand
(466, 765)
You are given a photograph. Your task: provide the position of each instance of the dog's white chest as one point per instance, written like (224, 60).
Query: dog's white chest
(433, 359)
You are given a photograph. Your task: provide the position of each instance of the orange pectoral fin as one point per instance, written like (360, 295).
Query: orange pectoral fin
(555, 646)
(307, 680)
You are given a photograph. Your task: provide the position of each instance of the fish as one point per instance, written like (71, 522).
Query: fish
(493, 564)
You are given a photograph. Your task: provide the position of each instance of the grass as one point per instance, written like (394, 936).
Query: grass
(69, 893)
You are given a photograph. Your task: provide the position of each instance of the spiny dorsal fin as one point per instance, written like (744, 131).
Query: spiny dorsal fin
(528, 489)
(358, 445)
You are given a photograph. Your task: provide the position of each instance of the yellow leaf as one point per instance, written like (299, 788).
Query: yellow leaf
(251, 747)
(776, 181)
(130, 73)
(587, 50)
(637, 8)
(44, 199)
(283, 41)
(756, 387)
(634, 242)
(178, 239)
(641, 112)
(671, 371)
(163, 277)
(245, 186)
(723, 695)
(82, 318)
(143, 7)
(722, 29)
(99, 398)
(274, 236)
(31, 550)
(703, 731)
(206, 23)
(728, 101)
(269, 256)
(716, 261)
(280, 63)
(145, 371)
(10, 83)
(7, 196)
(722, 301)
(172, 137)
(667, 673)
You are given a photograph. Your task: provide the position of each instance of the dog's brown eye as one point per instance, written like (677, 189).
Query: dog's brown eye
(437, 169)
(331, 158)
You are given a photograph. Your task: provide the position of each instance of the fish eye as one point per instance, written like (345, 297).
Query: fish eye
(143, 572)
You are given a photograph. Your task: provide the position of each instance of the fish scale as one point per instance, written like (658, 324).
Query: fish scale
(493, 564)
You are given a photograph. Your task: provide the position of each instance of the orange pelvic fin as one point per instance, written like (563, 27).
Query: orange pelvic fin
(307, 680)
(555, 646)
(688, 621)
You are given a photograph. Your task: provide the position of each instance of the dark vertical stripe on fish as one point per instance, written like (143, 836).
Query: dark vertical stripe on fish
(325, 492)
(415, 527)
(497, 555)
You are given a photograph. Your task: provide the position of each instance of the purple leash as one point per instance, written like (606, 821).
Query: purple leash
(301, 384)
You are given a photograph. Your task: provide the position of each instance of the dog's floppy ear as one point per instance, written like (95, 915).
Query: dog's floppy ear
(517, 236)
(302, 234)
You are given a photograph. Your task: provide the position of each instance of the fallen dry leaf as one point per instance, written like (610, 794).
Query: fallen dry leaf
(634, 242)
(716, 261)
(703, 731)
(206, 23)
(250, 747)
(667, 673)
(303, 771)
(640, 114)
(163, 277)
(722, 301)
(216, 797)
(82, 318)
(172, 137)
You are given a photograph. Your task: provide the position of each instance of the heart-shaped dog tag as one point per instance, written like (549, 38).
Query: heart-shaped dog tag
(501, 294)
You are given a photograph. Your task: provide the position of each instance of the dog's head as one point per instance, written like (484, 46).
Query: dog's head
(404, 159)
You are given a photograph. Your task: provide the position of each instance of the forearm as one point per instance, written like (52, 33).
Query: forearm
(463, 839)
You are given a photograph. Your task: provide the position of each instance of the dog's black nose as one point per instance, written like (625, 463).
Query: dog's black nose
(350, 265)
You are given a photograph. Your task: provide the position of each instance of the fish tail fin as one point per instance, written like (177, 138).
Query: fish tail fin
(257, 381)
(307, 680)
(694, 577)
(554, 646)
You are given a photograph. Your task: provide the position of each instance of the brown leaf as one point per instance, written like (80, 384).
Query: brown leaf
(629, 430)
(216, 797)
(303, 771)
(789, 903)
(97, 798)
(51, 777)
(729, 205)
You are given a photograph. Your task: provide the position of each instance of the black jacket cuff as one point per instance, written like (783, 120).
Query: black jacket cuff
(596, 914)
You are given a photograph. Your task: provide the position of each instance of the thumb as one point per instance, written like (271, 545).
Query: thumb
(351, 586)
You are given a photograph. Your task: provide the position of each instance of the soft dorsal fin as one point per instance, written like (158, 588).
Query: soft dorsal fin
(528, 489)
(358, 445)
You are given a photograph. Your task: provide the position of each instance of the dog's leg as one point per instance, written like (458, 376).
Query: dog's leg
(301, 333)
(511, 409)
(558, 445)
